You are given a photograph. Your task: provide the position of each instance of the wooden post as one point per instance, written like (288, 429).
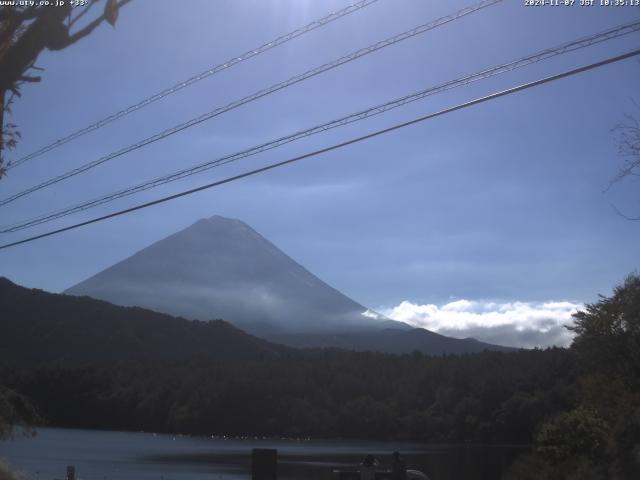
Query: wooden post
(71, 472)
(264, 464)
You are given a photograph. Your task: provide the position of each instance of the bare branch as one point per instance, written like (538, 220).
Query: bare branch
(627, 141)
(626, 217)
(87, 29)
(30, 79)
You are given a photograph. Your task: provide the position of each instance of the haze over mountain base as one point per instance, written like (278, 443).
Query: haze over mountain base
(220, 268)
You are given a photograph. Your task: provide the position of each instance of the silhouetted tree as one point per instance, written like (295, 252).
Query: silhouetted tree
(599, 437)
(16, 411)
(628, 143)
(608, 332)
(25, 31)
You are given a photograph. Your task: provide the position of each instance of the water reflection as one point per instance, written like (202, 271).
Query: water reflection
(145, 456)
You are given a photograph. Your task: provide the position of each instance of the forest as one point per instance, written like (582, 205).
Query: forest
(578, 408)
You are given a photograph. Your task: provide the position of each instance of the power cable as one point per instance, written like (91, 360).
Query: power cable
(571, 46)
(196, 78)
(267, 91)
(332, 147)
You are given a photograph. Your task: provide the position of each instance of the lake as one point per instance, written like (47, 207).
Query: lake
(106, 455)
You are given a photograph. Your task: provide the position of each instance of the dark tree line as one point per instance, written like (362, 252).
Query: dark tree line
(578, 408)
(489, 397)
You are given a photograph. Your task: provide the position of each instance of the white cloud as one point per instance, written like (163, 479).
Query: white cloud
(521, 324)
(371, 314)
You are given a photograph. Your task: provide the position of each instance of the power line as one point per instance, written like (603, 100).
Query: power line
(354, 117)
(196, 78)
(334, 147)
(250, 98)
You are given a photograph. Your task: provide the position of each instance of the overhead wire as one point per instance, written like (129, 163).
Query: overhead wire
(315, 153)
(545, 54)
(194, 79)
(261, 93)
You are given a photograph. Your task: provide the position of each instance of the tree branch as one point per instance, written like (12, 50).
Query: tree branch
(82, 13)
(626, 217)
(30, 79)
(28, 13)
(71, 39)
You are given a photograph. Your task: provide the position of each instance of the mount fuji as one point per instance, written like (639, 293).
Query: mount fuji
(221, 268)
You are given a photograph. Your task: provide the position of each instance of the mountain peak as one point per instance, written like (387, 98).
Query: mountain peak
(220, 218)
(219, 221)
(222, 268)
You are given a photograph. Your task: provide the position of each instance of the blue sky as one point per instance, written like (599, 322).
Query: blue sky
(501, 204)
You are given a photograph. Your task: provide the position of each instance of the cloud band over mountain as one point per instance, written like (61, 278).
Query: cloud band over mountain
(521, 324)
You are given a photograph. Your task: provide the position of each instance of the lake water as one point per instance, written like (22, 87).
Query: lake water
(100, 455)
